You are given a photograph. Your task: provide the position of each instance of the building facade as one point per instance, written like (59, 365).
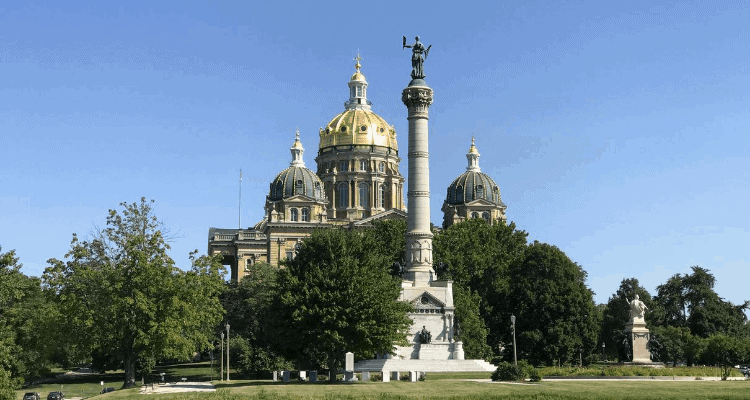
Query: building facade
(357, 181)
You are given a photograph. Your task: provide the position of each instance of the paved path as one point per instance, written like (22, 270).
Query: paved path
(179, 387)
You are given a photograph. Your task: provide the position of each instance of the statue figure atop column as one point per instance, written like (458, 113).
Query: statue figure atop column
(417, 58)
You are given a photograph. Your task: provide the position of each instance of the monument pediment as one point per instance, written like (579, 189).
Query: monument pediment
(427, 300)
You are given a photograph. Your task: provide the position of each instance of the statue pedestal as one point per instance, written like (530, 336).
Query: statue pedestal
(639, 336)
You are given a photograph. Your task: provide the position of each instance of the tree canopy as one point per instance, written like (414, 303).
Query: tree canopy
(477, 256)
(556, 317)
(336, 296)
(125, 302)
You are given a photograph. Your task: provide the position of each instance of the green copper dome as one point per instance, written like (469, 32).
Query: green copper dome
(297, 179)
(473, 184)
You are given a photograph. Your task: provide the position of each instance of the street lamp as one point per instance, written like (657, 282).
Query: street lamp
(603, 357)
(221, 377)
(513, 325)
(227, 351)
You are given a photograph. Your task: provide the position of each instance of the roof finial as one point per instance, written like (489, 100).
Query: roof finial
(473, 157)
(297, 151)
(357, 59)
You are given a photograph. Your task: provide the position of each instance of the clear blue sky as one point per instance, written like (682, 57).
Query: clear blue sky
(617, 130)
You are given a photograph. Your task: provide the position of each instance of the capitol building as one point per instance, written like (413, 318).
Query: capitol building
(356, 181)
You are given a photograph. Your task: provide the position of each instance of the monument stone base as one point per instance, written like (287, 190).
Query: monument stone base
(639, 336)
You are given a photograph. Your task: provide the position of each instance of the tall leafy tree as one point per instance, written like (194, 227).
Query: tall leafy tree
(477, 256)
(690, 301)
(335, 296)
(248, 305)
(26, 315)
(123, 299)
(556, 318)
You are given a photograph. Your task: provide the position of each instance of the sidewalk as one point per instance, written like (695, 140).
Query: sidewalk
(178, 387)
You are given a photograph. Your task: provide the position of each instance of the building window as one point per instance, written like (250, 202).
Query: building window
(381, 197)
(249, 262)
(363, 165)
(364, 194)
(486, 216)
(317, 190)
(459, 194)
(344, 195)
(290, 255)
(381, 167)
(343, 166)
(299, 187)
(475, 215)
(359, 91)
(293, 214)
(480, 191)
(306, 215)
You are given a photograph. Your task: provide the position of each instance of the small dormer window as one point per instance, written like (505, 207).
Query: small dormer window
(381, 167)
(480, 191)
(363, 165)
(305, 214)
(486, 216)
(343, 166)
(475, 215)
(293, 215)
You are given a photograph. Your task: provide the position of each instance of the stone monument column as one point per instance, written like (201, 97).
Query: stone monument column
(417, 97)
(637, 332)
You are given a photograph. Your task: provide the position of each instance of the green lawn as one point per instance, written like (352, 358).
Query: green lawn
(446, 389)
(436, 386)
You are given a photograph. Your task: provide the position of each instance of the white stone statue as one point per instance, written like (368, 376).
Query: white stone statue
(637, 308)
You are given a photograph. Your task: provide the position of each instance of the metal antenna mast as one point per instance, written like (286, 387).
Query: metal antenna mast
(239, 211)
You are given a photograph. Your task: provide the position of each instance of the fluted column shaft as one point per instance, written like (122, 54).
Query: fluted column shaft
(418, 235)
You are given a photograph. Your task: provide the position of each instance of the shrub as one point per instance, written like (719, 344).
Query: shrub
(376, 377)
(508, 372)
(535, 375)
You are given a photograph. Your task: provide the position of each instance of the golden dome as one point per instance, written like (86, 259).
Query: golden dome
(358, 127)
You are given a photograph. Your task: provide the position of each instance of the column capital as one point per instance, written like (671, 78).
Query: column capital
(417, 99)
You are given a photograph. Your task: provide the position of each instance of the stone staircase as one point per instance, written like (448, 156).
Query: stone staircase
(424, 365)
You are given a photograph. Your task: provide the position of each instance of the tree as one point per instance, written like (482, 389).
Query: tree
(476, 256)
(617, 314)
(248, 305)
(556, 317)
(26, 344)
(335, 296)
(473, 332)
(675, 343)
(6, 386)
(389, 237)
(690, 300)
(724, 351)
(125, 302)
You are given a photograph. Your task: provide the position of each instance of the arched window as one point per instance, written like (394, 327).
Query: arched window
(480, 191)
(306, 215)
(317, 190)
(474, 214)
(381, 196)
(344, 195)
(293, 214)
(381, 167)
(364, 195)
(363, 165)
(249, 262)
(343, 166)
(486, 216)
(299, 187)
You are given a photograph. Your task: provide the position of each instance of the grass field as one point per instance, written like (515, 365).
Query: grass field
(436, 386)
